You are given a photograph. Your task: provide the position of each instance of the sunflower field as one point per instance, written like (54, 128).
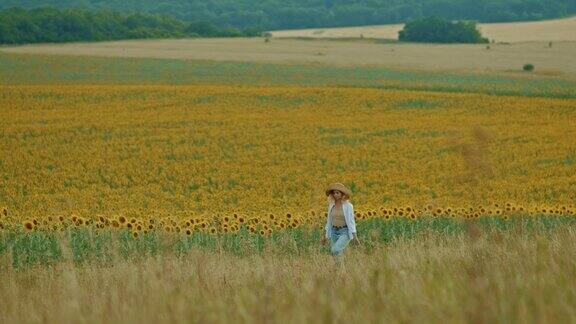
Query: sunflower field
(254, 161)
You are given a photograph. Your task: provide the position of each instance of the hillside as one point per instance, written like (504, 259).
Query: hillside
(292, 14)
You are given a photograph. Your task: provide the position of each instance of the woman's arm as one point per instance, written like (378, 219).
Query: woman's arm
(352, 226)
(352, 221)
(328, 221)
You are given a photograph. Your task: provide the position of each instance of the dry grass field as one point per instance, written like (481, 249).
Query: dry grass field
(483, 278)
(556, 61)
(556, 30)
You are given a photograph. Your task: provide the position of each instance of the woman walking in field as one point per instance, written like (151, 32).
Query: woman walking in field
(340, 224)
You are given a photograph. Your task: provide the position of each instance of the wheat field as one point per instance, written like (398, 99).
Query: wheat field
(555, 30)
(556, 61)
(477, 277)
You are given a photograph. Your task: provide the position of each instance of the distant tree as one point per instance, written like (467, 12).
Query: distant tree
(439, 30)
(528, 67)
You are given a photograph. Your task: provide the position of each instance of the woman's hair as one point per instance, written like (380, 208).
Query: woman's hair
(331, 199)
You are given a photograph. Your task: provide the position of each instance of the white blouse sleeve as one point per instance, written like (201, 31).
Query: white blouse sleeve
(352, 225)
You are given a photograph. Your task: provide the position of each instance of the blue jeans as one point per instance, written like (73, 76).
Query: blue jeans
(339, 240)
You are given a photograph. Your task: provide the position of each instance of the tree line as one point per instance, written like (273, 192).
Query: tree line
(18, 26)
(286, 14)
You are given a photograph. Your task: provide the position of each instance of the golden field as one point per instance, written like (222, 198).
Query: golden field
(507, 59)
(554, 30)
(205, 152)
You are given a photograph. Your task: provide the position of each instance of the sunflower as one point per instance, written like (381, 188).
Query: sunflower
(28, 225)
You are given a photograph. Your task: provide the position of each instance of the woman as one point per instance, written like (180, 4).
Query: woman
(340, 225)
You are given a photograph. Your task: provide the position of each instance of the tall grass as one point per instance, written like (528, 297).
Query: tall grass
(479, 275)
(25, 249)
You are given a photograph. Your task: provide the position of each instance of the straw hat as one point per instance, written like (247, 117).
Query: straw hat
(340, 187)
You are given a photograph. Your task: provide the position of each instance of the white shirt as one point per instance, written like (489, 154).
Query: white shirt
(348, 210)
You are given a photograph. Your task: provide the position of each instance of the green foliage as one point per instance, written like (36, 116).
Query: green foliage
(439, 30)
(274, 14)
(528, 67)
(18, 26)
(80, 246)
